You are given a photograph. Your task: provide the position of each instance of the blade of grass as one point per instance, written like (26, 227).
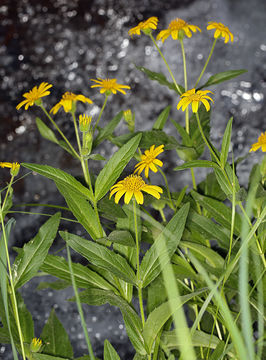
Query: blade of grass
(79, 305)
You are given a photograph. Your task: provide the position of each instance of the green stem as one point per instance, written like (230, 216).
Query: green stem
(166, 64)
(84, 326)
(100, 115)
(184, 63)
(85, 168)
(206, 141)
(207, 62)
(167, 188)
(60, 132)
(257, 241)
(13, 293)
(139, 285)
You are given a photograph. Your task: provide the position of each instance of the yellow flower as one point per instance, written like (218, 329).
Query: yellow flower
(35, 345)
(35, 94)
(220, 30)
(177, 29)
(194, 98)
(14, 167)
(149, 161)
(67, 101)
(261, 143)
(109, 86)
(133, 185)
(145, 26)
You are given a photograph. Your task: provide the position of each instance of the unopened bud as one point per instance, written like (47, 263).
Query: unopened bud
(35, 345)
(84, 122)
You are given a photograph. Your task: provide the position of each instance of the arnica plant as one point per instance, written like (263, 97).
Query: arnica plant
(185, 268)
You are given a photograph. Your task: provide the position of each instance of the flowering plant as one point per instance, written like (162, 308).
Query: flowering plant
(202, 247)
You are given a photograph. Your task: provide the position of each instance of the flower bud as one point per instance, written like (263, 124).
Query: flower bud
(129, 119)
(35, 345)
(84, 122)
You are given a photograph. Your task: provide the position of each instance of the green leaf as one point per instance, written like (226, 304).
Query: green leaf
(55, 285)
(55, 338)
(114, 167)
(81, 209)
(66, 147)
(199, 338)
(38, 356)
(110, 210)
(226, 182)
(182, 132)
(207, 228)
(28, 262)
(197, 163)
(101, 256)
(160, 78)
(157, 137)
(219, 211)
(108, 129)
(6, 318)
(161, 314)
(222, 76)
(218, 352)
(226, 142)
(162, 118)
(187, 153)
(132, 321)
(214, 259)
(109, 352)
(4, 336)
(45, 131)
(150, 266)
(122, 237)
(61, 177)
(96, 157)
(84, 277)
(25, 318)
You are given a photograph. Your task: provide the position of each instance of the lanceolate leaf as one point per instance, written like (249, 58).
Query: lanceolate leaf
(84, 277)
(161, 314)
(160, 78)
(108, 129)
(199, 338)
(150, 266)
(45, 131)
(55, 338)
(38, 356)
(206, 253)
(226, 142)
(114, 167)
(132, 321)
(197, 163)
(219, 211)
(6, 319)
(61, 177)
(109, 352)
(162, 118)
(81, 209)
(29, 260)
(208, 228)
(101, 256)
(222, 76)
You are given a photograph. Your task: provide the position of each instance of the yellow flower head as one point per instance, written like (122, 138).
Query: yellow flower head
(34, 95)
(261, 143)
(177, 29)
(109, 86)
(149, 161)
(133, 185)
(84, 122)
(67, 101)
(220, 31)
(35, 345)
(14, 167)
(144, 26)
(194, 98)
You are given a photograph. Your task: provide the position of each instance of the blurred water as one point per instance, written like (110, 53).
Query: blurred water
(67, 43)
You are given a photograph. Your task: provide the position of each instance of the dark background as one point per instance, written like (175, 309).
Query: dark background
(66, 43)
